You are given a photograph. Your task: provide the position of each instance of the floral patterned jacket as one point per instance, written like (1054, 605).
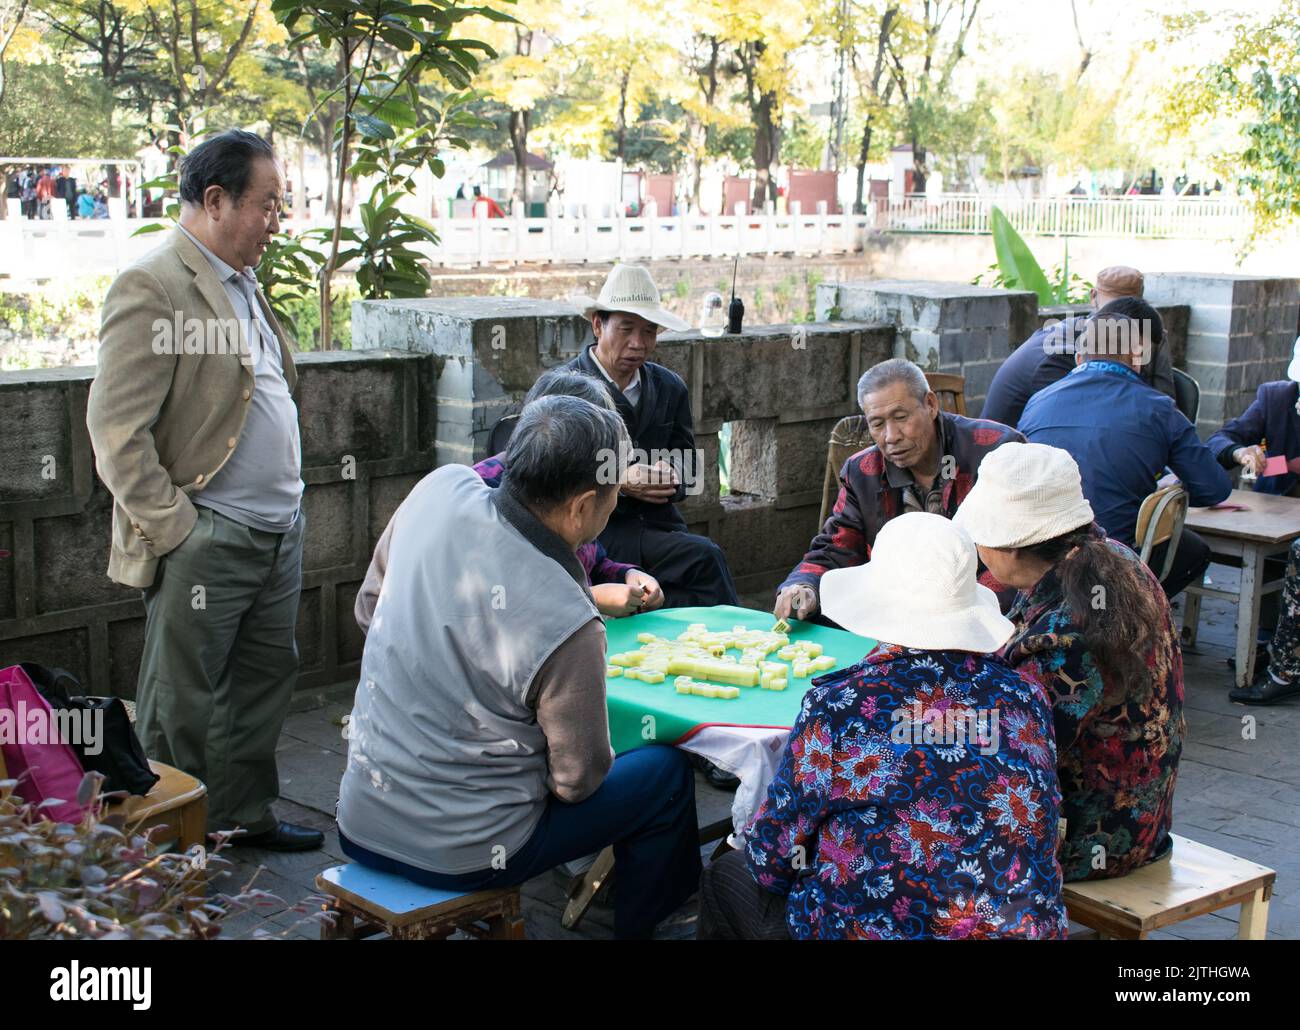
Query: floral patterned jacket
(917, 798)
(1117, 748)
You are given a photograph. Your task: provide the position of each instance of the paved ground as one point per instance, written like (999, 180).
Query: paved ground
(1241, 795)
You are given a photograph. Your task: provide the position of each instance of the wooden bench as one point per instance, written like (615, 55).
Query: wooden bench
(366, 902)
(1194, 880)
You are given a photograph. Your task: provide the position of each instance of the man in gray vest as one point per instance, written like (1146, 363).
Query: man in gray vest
(479, 750)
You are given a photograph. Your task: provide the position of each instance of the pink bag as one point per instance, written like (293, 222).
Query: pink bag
(30, 744)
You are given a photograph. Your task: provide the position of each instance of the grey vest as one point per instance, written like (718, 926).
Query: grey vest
(446, 764)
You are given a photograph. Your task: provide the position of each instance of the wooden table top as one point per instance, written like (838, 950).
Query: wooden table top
(1268, 518)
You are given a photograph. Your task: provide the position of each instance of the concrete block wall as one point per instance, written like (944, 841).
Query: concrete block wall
(368, 423)
(1240, 332)
(943, 327)
(487, 352)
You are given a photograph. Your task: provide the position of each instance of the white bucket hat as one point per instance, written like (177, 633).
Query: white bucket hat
(918, 590)
(1024, 493)
(630, 288)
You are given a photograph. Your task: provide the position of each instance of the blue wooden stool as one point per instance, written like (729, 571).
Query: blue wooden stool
(366, 902)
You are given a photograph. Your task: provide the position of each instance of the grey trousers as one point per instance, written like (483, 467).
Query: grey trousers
(220, 662)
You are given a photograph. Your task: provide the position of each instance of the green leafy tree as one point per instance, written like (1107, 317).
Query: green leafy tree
(1257, 85)
(31, 124)
(385, 48)
(923, 53)
(12, 13)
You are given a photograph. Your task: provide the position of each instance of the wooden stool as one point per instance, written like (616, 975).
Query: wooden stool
(366, 902)
(1194, 880)
(176, 808)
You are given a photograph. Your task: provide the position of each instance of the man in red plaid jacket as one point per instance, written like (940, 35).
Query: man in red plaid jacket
(922, 459)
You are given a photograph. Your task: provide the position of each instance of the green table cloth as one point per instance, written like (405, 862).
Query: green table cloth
(654, 713)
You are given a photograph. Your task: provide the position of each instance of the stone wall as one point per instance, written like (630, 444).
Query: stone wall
(368, 422)
(1240, 333)
(943, 327)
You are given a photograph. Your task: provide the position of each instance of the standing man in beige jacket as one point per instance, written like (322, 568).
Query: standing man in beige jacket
(195, 432)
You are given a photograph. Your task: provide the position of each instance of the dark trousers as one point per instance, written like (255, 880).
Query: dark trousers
(216, 678)
(691, 569)
(735, 908)
(645, 808)
(1190, 562)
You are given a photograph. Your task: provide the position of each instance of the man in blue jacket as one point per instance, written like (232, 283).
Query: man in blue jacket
(1123, 433)
(1048, 355)
(1269, 428)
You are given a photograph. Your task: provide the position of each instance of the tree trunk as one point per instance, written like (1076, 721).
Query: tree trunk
(520, 122)
(620, 126)
(919, 174)
(859, 207)
(767, 152)
(709, 86)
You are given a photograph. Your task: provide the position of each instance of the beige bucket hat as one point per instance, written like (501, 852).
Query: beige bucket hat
(631, 288)
(918, 590)
(1024, 493)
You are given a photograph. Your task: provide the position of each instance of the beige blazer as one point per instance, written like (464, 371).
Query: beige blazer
(169, 400)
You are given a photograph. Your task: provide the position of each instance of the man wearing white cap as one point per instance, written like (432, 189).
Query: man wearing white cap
(646, 529)
(917, 796)
(1093, 627)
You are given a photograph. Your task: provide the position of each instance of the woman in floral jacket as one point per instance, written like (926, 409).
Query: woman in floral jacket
(1094, 628)
(917, 796)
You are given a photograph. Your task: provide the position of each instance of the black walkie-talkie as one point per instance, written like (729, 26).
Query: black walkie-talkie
(736, 309)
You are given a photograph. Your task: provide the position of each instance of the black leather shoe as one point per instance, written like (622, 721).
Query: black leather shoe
(1265, 690)
(285, 837)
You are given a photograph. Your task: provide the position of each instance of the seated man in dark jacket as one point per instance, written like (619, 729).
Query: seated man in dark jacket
(923, 459)
(1269, 428)
(646, 530)
(1048, 355)
(1123, 434)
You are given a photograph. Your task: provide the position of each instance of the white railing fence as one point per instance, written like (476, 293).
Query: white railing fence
(1179, 218)
(58, 247)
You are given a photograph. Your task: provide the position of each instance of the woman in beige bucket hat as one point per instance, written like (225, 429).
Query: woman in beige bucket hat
(1093, 627)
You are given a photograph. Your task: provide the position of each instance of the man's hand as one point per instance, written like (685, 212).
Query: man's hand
(618, 599)
(652, 595)
(1250, 458)
(797, 602)
(655, 483)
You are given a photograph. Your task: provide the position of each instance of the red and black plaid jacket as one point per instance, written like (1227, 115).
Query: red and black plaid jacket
(867, 501)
